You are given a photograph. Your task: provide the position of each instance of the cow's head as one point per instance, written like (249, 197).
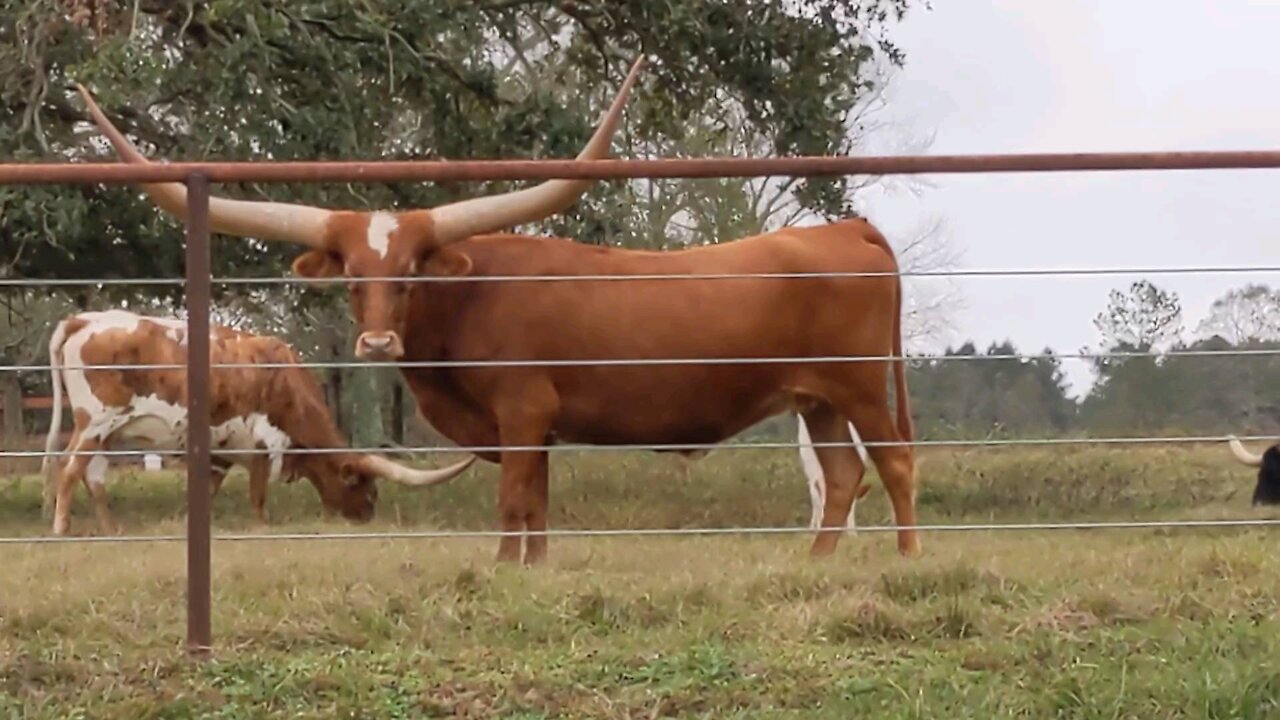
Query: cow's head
(347, 482)
(344, 489)
(1267, 491)
(379, 244)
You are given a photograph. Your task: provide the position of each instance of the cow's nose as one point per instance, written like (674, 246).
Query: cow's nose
(377, 345)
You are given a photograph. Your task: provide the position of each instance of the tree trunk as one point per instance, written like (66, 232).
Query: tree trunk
(11, 396)
(397, 412)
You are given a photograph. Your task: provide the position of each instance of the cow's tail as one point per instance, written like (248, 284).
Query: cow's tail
(48, 467)
(905, 427)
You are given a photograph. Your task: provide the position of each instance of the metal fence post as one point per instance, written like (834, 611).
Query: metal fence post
(199, 581)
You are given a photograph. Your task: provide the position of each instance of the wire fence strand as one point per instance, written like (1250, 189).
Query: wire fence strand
(631, 362)
(961, 273)
(651, 532)
(678, 447)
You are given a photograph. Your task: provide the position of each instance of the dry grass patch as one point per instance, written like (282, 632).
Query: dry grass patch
(986, 624)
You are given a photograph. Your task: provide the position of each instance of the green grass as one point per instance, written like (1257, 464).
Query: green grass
(1073, 624)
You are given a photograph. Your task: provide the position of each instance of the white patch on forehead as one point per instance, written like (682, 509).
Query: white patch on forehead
(381, 225)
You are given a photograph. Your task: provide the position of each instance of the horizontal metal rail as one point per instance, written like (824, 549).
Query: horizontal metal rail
(983, 273)
(629, 362)
(386, 171)
(648, 532)
(681, 447)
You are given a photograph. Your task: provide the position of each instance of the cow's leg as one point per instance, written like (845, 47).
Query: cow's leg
(71, 472)
(522, 491)
(841, 470)
(522, 498)
(817, 500)
(536, 511)
(812, 473)
(869, 412)
(818, 483)
(863, 487)
(259, 470)
(95, 481)
(50, 490)
(217, 473)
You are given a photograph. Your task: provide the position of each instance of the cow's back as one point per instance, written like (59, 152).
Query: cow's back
(148, 403)
(698, 317)
(119, 338)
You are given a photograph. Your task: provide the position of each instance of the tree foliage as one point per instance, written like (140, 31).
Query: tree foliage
(437, 79)
(323, 79)
(1141, 319)
(1250, 313)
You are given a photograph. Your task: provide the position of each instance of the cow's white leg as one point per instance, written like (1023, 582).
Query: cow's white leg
(852, 522)
(216, 476)
(842, 471)
(817, 501)
(813, 474)
(95, 481)
(49, 493)
(817, 481)
(71, 472)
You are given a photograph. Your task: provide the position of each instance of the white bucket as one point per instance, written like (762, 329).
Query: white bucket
(151, 462)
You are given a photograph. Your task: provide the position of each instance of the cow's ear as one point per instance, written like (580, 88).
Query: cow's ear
(448, 262)
(317, 265)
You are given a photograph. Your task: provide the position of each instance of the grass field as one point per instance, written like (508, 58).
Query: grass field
(1114, 624)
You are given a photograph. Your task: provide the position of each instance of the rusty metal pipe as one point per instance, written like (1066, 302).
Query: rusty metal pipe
(199, 536)
(613, 169)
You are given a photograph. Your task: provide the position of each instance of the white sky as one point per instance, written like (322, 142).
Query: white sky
(1080, 76)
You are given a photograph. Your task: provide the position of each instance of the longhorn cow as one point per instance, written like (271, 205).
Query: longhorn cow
(524, 408)
(1267, 491)
(273, 409)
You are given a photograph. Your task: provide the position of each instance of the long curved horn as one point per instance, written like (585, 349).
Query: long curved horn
(1244, 456)
(384, 468)
(460, 220)
(300, 224)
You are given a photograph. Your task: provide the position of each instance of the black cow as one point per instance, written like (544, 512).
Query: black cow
(1268, 463)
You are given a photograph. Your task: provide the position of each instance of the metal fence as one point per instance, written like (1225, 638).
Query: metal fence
(198, 281)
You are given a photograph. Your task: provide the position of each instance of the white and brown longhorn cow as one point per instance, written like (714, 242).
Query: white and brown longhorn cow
(271, 409)
(524, 407)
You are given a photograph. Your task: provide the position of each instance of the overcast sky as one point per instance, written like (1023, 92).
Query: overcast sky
(1091, 75)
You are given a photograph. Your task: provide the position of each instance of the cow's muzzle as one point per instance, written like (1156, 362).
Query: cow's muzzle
(379, 346)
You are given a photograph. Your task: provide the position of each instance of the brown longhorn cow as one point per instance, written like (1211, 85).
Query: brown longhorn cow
(525, 408)
(275, 409)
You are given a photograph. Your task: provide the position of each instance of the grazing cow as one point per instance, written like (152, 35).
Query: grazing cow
(1267, 491)
(574, 324)
(253, 408)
